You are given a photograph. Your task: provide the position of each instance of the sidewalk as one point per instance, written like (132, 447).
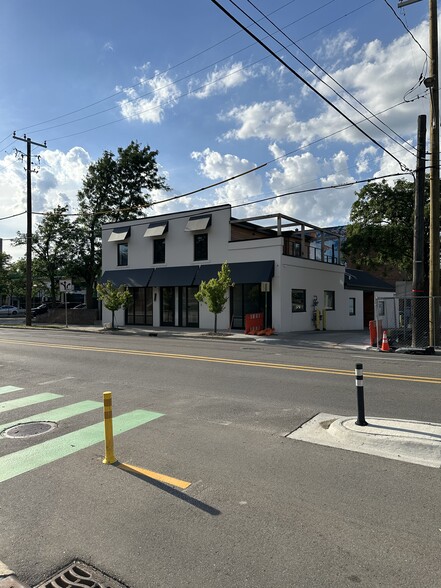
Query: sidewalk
(358, 340)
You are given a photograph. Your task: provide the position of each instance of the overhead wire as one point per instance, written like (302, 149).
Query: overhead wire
(304, 81)
(333, 79)
(158, 74)
(407, 29)
(273, 160)
(204, 85)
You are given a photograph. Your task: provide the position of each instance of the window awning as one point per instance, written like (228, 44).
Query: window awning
(198, 223)
(135, 278)
(252, 272)
(119, 234)
(156, 229)
(174, 276)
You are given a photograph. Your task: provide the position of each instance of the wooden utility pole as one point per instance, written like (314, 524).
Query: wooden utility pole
(29, 144)
(432, 84)
(419, 321)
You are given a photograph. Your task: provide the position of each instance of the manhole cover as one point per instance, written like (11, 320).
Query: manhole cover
(80, 575)
(23, 430)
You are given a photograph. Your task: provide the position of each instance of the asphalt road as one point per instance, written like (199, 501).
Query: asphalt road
(261, 510)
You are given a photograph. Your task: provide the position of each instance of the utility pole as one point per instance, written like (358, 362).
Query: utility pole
(431, 83)
(29, 144)
(419, 321)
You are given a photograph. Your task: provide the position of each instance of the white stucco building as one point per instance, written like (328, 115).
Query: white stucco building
(162, 259)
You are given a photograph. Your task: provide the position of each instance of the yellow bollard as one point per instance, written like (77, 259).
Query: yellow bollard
(108, 428)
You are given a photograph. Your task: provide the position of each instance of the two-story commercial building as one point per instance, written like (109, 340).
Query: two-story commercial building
(278, 265)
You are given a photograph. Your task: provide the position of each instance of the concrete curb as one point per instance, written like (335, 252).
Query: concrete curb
(8, 579)
(410, 441)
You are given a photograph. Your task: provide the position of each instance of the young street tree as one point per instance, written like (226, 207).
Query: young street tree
(380, 233)
(114, 189)
(214, 292)
(113, 297)
(52, 245)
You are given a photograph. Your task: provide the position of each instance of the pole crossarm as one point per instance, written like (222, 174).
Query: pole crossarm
(29, 144)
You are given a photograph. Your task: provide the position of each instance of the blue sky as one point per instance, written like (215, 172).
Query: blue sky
(184, 79)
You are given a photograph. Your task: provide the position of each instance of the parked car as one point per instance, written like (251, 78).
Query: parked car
(7, 310)
(41, 309)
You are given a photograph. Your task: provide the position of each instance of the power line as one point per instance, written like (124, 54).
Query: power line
(333, 79)
(407, 29)
(310, 86)
(185, 77)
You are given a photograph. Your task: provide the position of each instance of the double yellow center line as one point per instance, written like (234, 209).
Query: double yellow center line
(229, 361)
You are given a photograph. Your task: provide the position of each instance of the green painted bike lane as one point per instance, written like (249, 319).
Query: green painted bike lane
(31, 458)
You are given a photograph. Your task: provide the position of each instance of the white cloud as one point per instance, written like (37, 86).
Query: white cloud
(58, 181)
(306, 171)
(216, 166)
(272, 121)
(221, 79)
(379, 76)
(151, 97)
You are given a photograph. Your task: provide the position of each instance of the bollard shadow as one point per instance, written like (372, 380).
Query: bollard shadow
(385, 427)
(172, 491)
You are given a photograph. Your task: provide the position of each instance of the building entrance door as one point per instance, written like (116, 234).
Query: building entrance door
(168, 306)
(188, 307)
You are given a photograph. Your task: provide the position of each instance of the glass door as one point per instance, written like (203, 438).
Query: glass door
(167, 306)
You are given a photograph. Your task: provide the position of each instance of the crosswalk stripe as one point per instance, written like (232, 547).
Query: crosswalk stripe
(8, 389)
(57, 414)
(28, 401)
(30, 458)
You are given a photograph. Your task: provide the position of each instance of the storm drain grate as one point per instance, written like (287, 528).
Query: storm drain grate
(80, 575)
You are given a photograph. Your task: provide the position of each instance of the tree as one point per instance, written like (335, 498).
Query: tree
(214, 292)
(53, 246)
(380, 233)
(113, 297)
(114, 189)
(5, 261)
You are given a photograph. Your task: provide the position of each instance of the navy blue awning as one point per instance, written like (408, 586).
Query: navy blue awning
(174, 276)
(135, 278)
(252, 272)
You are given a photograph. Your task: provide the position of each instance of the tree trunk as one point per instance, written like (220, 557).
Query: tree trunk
(215, 323)
(113, 319)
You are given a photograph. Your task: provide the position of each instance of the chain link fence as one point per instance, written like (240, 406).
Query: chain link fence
(410, 322)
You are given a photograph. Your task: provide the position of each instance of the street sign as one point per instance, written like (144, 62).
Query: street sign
(66, 285)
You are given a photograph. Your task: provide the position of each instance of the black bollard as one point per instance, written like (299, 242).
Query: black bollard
(361, 421)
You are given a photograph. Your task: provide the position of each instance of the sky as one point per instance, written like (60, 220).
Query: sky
(184, 79)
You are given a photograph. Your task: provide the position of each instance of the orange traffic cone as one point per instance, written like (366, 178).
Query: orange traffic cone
(385, 343)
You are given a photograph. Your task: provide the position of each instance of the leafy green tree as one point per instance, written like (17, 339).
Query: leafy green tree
(15, 280)
(52, 246)
(113, 297)
(5, 261)
(214, 292)
(114, 189)
(380, 233)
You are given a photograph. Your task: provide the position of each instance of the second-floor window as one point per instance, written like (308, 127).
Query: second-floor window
(159, 251)
(200, 247)
(123, 254)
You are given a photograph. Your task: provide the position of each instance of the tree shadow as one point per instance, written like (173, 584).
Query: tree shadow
(172, 491)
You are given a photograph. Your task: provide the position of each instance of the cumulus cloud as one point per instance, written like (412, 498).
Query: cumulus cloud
(221, 79)
(149, 100)
(307, 171)
(58, 181)
(215, 166)
(378, 76)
